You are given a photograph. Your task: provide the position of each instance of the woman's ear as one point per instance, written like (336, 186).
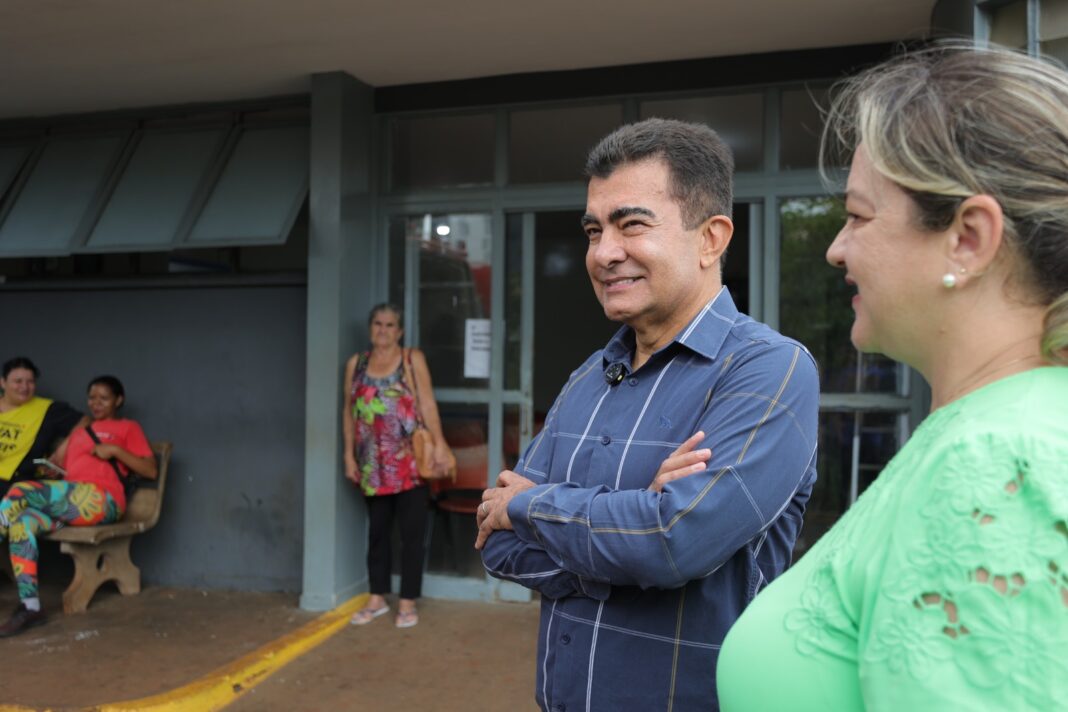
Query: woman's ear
(119, 400)
(977, 234)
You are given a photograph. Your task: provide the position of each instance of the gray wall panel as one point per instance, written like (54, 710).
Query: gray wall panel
(221, 373)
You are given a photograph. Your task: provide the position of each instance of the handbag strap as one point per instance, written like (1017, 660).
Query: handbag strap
(413, 385)
(111, 460)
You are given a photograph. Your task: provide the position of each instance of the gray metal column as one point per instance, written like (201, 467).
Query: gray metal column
(344, 281)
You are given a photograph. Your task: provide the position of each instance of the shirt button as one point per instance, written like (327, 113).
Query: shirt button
(633, 381)
(565, 639)
(605, 440)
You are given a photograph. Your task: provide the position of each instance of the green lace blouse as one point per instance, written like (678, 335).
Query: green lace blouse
(945, 586)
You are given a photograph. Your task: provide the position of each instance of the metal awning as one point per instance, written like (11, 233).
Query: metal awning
(151, 189)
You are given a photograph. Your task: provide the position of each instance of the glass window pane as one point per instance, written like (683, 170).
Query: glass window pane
(569, 321)
(510, 446)
(155, 190)
(872, 439)
(1058, 49)
(12, 157)
(1008, 24)
(442, 151)
(454, 286)
(260, 191)
(800, 127)
(51, 207)
(814, 304)
(1053, 29)
(547, 145)
(466, 427)
(739, 119)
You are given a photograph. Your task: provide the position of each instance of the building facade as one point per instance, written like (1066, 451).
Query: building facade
(221, 258)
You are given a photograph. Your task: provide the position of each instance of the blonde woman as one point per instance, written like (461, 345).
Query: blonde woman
(946, 585)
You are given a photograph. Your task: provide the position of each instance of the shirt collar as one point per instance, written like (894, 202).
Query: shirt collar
(716, 319)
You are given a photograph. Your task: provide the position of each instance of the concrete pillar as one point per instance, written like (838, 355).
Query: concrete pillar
(343, 283)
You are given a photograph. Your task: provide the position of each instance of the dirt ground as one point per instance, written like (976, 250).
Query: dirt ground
(126, 648)
(461, 656)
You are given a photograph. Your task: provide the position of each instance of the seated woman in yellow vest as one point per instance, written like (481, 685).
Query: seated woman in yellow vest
(30, 427)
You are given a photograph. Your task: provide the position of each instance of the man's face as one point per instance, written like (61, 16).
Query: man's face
(645, 265)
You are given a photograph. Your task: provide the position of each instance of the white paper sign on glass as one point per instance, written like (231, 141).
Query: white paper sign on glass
(477, 348)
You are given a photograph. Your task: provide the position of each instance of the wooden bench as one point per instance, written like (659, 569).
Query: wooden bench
(102, 553)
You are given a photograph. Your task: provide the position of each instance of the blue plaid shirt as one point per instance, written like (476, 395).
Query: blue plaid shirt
(639, 588)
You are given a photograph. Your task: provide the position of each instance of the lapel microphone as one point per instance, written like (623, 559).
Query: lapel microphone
(613, 375)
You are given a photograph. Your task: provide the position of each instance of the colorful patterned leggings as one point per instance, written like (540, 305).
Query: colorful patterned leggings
(38, 506)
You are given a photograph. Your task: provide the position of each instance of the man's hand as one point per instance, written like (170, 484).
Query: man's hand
(493, 512)
(685, 461)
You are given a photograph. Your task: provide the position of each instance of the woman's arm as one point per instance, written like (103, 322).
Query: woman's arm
(59, 455)
(428, 406)
(348, 427)
(143, 466)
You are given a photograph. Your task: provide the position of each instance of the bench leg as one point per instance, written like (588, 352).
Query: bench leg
(95, 564)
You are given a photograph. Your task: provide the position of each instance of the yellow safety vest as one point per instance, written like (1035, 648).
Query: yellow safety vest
(18, 430)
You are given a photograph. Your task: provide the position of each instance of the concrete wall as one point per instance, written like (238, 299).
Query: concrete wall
(221, 373)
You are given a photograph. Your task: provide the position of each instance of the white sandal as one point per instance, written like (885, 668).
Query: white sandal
(407, 619)
(366, 615)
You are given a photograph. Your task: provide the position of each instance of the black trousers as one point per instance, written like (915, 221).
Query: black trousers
(410, 510)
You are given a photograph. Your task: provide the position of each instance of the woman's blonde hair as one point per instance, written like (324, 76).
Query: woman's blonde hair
(951, 121)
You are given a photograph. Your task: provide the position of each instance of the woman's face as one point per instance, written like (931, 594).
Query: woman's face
(895, 267)
(103, 404)
(20, 386)
(385, 329)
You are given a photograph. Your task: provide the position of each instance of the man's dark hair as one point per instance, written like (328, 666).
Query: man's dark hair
(20, 362)
(700, 164)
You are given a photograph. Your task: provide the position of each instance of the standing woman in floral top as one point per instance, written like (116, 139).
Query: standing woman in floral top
(379, 418)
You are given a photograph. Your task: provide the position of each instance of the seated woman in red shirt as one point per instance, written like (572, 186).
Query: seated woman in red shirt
(99, 458)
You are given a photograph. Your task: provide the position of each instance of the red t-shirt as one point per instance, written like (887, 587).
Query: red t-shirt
(83, 466)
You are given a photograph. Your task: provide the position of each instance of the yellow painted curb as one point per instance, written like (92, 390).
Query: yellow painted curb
(221, 687)
(230, 682)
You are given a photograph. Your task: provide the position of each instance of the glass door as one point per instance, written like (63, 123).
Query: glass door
(442, 273)
(553, 320)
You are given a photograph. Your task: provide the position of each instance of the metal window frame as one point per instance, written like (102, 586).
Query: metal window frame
(984, 12)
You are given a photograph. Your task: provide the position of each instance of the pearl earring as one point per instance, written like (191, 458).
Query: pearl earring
(949, 280)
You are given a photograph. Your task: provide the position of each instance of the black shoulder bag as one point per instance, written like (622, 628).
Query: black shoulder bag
(130, 481)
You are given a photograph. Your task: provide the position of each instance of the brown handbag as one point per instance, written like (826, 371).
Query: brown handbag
(422, 438)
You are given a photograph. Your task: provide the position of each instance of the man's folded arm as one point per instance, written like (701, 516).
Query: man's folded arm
(506, 557)
(762, 429)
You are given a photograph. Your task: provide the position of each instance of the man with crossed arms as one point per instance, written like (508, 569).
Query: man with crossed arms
(668, 484)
